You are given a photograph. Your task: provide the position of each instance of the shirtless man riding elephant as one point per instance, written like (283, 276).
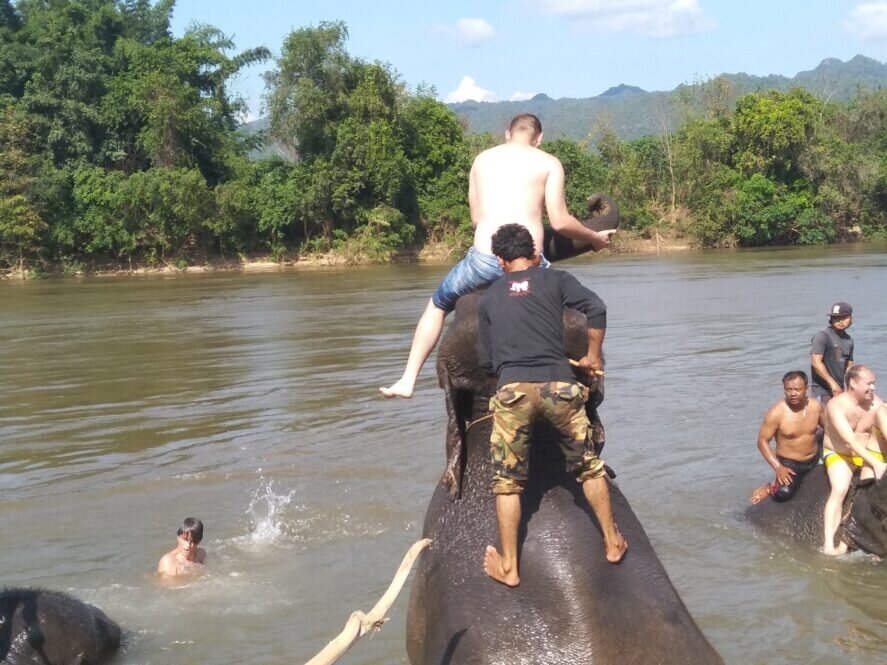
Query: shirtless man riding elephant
(510, 183)
(851, 445)
(793, 422)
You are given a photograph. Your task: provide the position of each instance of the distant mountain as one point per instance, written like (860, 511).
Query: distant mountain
(621, 89)
(632, 112)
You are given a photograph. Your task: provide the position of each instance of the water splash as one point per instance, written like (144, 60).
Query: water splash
(265, 512)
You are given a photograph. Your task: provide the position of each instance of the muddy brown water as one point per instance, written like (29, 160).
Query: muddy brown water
(250, 401)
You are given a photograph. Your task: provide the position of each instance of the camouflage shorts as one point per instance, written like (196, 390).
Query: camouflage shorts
(516, 407)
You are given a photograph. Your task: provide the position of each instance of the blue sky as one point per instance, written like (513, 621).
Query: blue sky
(512, 49)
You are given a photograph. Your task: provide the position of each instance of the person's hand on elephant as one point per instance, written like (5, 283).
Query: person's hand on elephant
(784, 475)
(602, 241)
(879, 469)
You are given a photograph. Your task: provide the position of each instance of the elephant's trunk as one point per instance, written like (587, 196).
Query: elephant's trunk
(603, 215)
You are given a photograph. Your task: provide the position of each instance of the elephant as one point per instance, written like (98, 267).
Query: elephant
(572, 606)
(40, 626)
(864, 527)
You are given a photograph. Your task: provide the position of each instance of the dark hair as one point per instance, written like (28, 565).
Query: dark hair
(794, 374)
(526, 122)
(853, 372)
(193, 527)
(513, 241)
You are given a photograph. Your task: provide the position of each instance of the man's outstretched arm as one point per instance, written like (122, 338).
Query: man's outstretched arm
(561, 219)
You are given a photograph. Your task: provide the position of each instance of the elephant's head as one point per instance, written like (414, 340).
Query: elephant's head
(866, 527)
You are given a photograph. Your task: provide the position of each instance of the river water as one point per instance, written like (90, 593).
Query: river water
(250, 401)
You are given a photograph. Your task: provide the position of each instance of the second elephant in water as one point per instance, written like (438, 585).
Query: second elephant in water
(864, 526)
(53, 628)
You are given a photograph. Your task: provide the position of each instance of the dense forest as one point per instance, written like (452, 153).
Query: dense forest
(122, 143)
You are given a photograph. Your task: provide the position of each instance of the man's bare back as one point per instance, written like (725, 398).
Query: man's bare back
(507, 185)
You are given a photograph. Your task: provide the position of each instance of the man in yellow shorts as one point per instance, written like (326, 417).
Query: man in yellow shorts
(851, 444)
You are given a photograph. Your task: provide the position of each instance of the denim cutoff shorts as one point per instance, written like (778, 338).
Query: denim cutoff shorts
(473, 272)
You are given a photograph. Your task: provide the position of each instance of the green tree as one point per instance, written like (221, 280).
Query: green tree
(344, 121)
(156, 214)
(169, 107)
(626, 182)
(308, 90)
(765, 212)
(439, 161)
(772, 129)
(22, 226)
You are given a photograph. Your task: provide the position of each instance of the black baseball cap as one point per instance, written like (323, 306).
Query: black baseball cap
(840, 309)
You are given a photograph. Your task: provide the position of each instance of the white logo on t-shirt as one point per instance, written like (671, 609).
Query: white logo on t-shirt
(520, 288)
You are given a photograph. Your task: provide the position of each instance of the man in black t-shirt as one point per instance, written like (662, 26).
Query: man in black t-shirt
(521, 340)
(831, 354)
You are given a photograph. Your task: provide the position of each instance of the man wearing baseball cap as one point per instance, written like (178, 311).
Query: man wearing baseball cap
(831, 354)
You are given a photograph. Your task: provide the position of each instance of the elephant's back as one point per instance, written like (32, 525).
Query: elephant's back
(799, 519)
(572, 605)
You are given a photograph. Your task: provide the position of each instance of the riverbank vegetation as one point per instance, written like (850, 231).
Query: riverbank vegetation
(120, 143)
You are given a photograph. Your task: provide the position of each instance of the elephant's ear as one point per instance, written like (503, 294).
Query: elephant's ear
(452, 477)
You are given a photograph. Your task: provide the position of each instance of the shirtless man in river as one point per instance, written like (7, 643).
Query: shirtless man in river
(507, 184)
(792, 422)
(850, 444)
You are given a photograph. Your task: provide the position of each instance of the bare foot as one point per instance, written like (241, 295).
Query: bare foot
(836, 551)
(402, 388)
(760, 494)
(617, 550)
(493, 566)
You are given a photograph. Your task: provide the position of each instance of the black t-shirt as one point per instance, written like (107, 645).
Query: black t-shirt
(836, 348)
(521, 333)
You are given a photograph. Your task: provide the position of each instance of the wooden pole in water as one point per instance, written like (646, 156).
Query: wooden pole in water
(359, 624)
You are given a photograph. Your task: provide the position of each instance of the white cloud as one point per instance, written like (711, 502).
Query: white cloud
(520, 96)
(473, 31)
(654, 18)
(469, 89)
(868, 20)
(468, 32)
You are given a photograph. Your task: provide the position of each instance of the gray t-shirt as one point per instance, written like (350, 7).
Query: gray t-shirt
(836, 348)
